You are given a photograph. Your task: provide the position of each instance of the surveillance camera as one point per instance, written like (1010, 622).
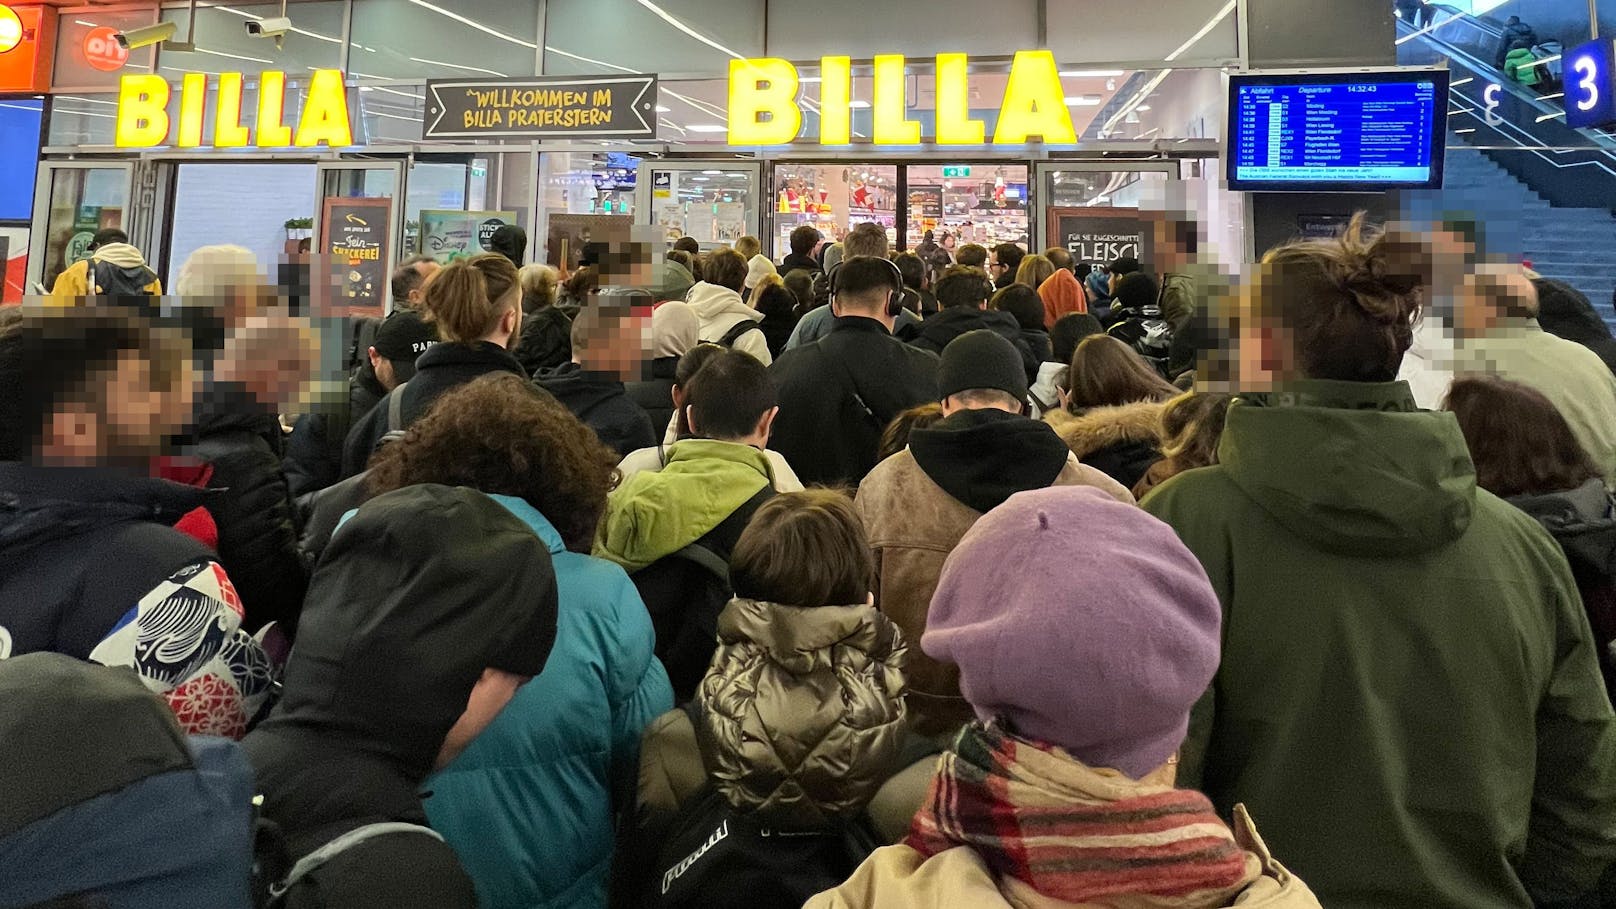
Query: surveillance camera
(269, 28)
(146, 36)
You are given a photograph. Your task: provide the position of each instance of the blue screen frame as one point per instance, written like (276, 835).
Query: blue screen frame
(22, 118)
(1413, 100)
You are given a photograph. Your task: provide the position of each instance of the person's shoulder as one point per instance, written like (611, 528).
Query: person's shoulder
(884, 475)
(1200, 491)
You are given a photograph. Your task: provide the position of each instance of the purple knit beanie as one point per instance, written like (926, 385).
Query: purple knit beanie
(1085, 623)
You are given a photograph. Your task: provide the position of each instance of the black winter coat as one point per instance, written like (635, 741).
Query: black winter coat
(314, 449)
(1583, 522)
(442, 367)
(424, 588)
(600, 401)
(252, 508)
(839, 393)
(953, 321)
(655, 394)
(546, 340)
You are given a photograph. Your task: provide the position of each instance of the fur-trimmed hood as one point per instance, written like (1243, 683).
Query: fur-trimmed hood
(1099, 428)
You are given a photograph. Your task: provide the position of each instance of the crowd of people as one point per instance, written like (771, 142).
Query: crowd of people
(942, 578)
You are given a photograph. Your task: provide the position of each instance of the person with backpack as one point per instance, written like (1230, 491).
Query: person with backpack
(433, 607)
(726, 320)
(918, 503)
(855, 379)
(528, 804)
(673, 529)
(475, 304)
(608, 347)
(1081, 655)
(793, 739)
(314, 449)
(114, 269)
(147, 817)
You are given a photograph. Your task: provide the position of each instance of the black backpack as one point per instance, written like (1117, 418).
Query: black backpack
(737, 331)
(716, 857)
(109, 280)
(684, 592)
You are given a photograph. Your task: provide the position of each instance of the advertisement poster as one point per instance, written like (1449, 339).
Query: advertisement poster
(926, 204)
(450, 235)
(602, 107)
(1100, 235)
(354, 238)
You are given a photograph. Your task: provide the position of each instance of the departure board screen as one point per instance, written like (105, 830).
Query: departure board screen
(1336, 131)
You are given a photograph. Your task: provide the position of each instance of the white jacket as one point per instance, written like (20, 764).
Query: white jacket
(719, 310)
(1046, 389)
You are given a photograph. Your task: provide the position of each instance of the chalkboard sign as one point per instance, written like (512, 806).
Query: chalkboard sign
(1101, 235)
(355, 238)
(615, 107)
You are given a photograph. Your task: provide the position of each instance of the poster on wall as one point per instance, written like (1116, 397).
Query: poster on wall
(602, 107)
(1102, 235)
(354, 237)
(450, 235)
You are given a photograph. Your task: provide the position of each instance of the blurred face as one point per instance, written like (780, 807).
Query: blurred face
(488, 697)
(1263, 350)
(122, 416)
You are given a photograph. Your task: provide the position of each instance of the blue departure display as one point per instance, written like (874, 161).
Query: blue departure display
(1337, 132)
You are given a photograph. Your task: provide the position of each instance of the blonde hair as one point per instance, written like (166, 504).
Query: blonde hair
(1034, 271)
(748, 247)
(217, 270)
(539, 286)
(467, 298)
(1191, 427)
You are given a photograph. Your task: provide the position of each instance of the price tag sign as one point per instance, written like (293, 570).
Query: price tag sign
(1590, 84)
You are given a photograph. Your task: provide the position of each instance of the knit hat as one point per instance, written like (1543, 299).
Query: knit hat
(757, 268)
(402, 337)
(981, 359)
(1081, 622)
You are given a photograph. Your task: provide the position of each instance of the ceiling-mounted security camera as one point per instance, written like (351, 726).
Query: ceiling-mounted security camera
(269, 28)
(146, 35)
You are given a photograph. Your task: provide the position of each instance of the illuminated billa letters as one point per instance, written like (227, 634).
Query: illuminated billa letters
(143, 120)
(763, 103)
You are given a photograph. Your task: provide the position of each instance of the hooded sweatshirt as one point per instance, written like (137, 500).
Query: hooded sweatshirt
(1378, 609)
(657, 513)
(721, 309)
(917, 504)
(602, 402)
(148, 818)
(74, 282)
(419, 592)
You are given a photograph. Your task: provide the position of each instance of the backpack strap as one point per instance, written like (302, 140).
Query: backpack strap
(706, 558)
(738, 330)
(395, 409)
(312, 862)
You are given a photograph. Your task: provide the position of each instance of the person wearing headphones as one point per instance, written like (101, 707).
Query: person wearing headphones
(854, 380)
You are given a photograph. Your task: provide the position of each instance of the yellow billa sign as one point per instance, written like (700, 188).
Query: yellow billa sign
(763, 103)
(143, 120)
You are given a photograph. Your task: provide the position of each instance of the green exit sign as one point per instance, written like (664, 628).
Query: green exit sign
(956, 170)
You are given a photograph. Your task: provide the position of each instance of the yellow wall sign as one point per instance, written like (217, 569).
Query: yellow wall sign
(763, 103)
(143, 119)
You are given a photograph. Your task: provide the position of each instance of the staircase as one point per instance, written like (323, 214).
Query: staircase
(1574, 245)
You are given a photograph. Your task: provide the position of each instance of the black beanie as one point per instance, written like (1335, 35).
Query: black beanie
(981, 359)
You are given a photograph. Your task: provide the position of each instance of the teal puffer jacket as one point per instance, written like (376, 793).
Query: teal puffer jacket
(529, 805)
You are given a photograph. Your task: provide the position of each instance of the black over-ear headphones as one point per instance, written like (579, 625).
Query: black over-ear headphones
(894, 297)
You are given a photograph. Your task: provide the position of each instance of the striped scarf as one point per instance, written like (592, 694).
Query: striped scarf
(1077, 834)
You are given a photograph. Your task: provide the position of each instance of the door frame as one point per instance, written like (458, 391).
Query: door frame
(1042, 169)
(758, 221)
(38, 235)
(396, 216)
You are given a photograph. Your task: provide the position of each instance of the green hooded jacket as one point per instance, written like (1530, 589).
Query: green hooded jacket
(656, 513)
(1409, 700)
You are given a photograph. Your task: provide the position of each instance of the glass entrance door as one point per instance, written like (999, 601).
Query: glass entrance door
(1093, 208)
(716, 202)
(73, 201)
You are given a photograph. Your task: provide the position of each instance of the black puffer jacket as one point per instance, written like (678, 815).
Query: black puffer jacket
(423, 589)
(1122, 442)
(546, 340)
(599, 400)
(253, 507)
(442, 367)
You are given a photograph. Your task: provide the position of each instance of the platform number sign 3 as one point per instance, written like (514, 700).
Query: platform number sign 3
(1590, 100)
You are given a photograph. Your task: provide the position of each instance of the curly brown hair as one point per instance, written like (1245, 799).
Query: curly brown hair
(500, 435)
